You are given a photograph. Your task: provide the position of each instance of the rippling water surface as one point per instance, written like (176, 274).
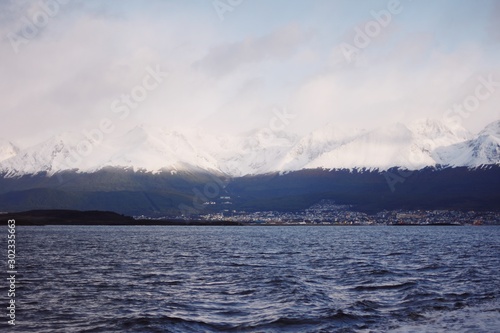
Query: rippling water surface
(258, 279)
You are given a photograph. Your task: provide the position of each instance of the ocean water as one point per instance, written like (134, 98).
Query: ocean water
(256, 279)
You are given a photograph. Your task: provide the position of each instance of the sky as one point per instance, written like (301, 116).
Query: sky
(236, 65)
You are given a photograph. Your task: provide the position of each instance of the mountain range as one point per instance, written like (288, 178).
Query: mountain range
(426, 164)
(413, 146)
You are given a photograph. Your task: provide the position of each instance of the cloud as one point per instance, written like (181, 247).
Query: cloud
(411, 80)
(67, 77)
(277, 45)
(232, 74)
(494, 23)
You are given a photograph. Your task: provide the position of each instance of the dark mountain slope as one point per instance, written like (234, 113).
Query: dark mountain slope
(137, 193)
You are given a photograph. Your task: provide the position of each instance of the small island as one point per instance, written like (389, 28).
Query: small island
(76, 217)
(68, 217)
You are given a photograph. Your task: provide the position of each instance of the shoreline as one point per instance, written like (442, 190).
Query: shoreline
(103, 218)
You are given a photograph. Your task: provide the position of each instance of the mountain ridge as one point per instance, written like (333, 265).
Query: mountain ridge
(413, 146)
(195, 193)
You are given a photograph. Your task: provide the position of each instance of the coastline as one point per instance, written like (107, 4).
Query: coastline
(104, 218)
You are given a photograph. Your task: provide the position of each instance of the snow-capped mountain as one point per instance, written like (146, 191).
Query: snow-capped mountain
(142, 148)
(50, 156)
(153, 149)
(316, 144)
(7, 150)
(407, 146)
(255, 152)
(412, 146)
(483, 149)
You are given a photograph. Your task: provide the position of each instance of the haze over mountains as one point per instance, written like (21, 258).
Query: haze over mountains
(410, 146)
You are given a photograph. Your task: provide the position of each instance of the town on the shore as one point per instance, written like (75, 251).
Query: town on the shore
(327, 212)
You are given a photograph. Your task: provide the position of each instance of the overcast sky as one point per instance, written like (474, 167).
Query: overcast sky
(232, 64)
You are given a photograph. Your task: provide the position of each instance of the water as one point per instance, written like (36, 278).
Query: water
(257, 279)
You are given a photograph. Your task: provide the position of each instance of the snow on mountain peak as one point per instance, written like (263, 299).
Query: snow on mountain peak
(154, 149)
(377, 149)
(437, 129)
(421, 143)
(492, 129)
(483, 149)
(316, 143)
(49, 156)
(7, 150)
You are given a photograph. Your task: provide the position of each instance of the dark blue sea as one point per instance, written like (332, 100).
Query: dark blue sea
(256, 279)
